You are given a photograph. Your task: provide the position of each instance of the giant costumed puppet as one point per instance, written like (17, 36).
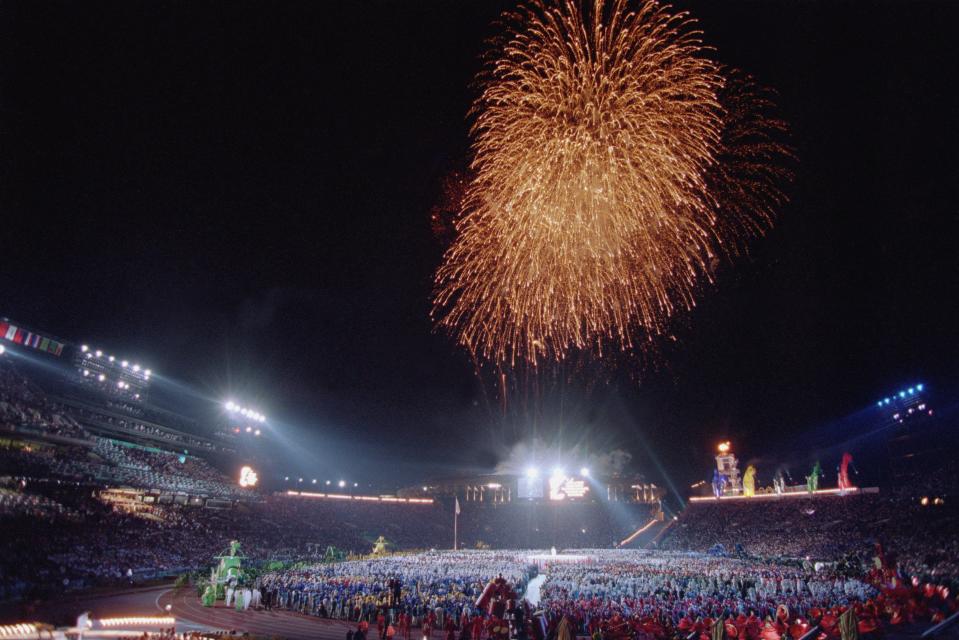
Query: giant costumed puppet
(844, 483)
(749, 482)
(812, 480)
(719, 483)
(779, 482)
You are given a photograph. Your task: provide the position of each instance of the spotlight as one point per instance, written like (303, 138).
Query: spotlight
(313, 481)
(341, 484)
(257, 432)
(286, 478)
(2, 349)
(559, 472)
(84, 348)
(136, 368)
(99, 353)
(111, 358)
(101, 377)
(124, 364)
(230, 406)
(584, 472)
(532, 472)
(919, 387)
(327, 483)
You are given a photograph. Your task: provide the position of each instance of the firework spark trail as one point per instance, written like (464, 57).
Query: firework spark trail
(754, 164)
(590, 219)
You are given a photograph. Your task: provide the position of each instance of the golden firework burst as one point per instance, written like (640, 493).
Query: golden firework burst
(592, 214)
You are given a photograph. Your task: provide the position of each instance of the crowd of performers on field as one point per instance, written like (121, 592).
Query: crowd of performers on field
(721, 482)
(612, 595)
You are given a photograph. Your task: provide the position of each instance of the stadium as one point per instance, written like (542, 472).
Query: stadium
(487, 320)
(116, 491)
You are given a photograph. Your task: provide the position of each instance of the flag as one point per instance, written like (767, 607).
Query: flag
(11, 332)
(457, 506)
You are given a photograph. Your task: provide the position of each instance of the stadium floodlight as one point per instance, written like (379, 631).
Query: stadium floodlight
(84, 348)
(341, 484)
(532, 472)
(584, 472)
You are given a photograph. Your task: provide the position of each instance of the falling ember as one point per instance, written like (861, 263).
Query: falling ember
(591, 216)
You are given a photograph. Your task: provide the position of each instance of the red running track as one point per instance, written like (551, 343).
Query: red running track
(286, 624)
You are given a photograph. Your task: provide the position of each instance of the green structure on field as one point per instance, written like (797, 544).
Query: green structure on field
(229, 570)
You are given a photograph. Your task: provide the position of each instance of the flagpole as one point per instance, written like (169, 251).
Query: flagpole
(456, 517)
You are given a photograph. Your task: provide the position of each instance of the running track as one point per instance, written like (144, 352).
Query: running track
(295, 626)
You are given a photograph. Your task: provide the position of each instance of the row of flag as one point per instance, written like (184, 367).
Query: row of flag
(26, 338)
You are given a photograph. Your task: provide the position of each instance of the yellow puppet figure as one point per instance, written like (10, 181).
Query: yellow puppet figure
(749, 482)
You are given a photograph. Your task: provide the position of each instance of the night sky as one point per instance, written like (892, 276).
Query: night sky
(238, 195)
